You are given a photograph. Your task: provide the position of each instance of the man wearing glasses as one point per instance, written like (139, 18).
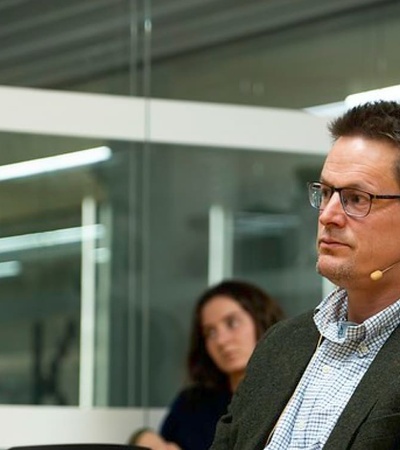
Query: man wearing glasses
(330, 379)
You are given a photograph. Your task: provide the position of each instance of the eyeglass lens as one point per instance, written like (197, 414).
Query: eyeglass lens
(354, 202)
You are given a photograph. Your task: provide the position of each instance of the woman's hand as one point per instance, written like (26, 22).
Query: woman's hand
(154, 441)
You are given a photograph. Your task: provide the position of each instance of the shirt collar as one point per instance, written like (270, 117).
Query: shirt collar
(330, 318)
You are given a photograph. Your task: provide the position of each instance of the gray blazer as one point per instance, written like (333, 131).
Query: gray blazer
(370, 421)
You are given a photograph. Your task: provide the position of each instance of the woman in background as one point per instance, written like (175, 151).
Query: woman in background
(228, 320)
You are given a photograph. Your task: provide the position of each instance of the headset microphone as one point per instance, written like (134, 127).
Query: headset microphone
(378, 274)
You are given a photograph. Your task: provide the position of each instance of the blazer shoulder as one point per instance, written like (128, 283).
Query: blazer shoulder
(294, 334)
(301, 323)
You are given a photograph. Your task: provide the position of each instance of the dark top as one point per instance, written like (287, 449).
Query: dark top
(193, 417)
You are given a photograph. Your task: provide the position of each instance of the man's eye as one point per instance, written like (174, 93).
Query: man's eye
(356, 198)
(325, 193)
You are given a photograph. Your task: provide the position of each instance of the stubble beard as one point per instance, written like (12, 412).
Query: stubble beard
(336, 274)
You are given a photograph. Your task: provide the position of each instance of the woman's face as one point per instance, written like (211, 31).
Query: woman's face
(230, 335)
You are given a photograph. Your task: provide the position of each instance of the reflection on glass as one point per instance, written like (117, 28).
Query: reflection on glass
(76, 317)
(44, 274)
(53, 164)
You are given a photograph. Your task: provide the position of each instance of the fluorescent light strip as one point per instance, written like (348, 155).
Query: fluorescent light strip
(54, 163)
(387, 93)
(337, 108)
(327, 110)
(10, 269)
(50, 238)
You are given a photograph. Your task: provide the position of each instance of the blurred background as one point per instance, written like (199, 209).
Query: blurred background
(106, 241)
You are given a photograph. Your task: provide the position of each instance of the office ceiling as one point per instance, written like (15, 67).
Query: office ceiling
(48, 43)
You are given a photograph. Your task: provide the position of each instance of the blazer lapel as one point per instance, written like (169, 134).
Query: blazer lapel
(270, 403)
(383, 372)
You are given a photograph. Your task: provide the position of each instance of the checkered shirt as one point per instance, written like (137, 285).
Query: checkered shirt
(333, 373)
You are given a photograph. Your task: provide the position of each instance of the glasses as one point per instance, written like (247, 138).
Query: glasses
(355, 203)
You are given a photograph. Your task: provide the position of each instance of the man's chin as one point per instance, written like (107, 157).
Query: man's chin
(335, 273)
(325, 265)
(321, 270)
(326, 262)
(321, 265)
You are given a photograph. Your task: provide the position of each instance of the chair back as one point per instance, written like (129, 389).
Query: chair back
(80, 447)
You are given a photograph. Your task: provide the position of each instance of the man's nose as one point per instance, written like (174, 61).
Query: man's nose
(333, 210)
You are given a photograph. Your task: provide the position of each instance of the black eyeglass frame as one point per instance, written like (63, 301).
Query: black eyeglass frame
(334, 189)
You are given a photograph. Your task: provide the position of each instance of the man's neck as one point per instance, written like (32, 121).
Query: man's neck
(364, 304)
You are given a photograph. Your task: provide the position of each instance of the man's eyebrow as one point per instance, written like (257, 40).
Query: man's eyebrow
(355, 185)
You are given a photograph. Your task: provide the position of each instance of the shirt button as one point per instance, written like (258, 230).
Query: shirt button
(326, 369)
(362, 350)
(301, 425)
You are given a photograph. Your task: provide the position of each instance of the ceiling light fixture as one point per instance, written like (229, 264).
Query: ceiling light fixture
(337, 108)
(386, 93)
(51, 238)
(54, 163)
(10, 269)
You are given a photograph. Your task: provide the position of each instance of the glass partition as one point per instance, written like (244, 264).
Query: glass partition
(82, 323)
(110, 229)
(65, 269)
(272, 240)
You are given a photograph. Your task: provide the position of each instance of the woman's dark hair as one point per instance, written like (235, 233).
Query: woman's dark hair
(263, 309)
